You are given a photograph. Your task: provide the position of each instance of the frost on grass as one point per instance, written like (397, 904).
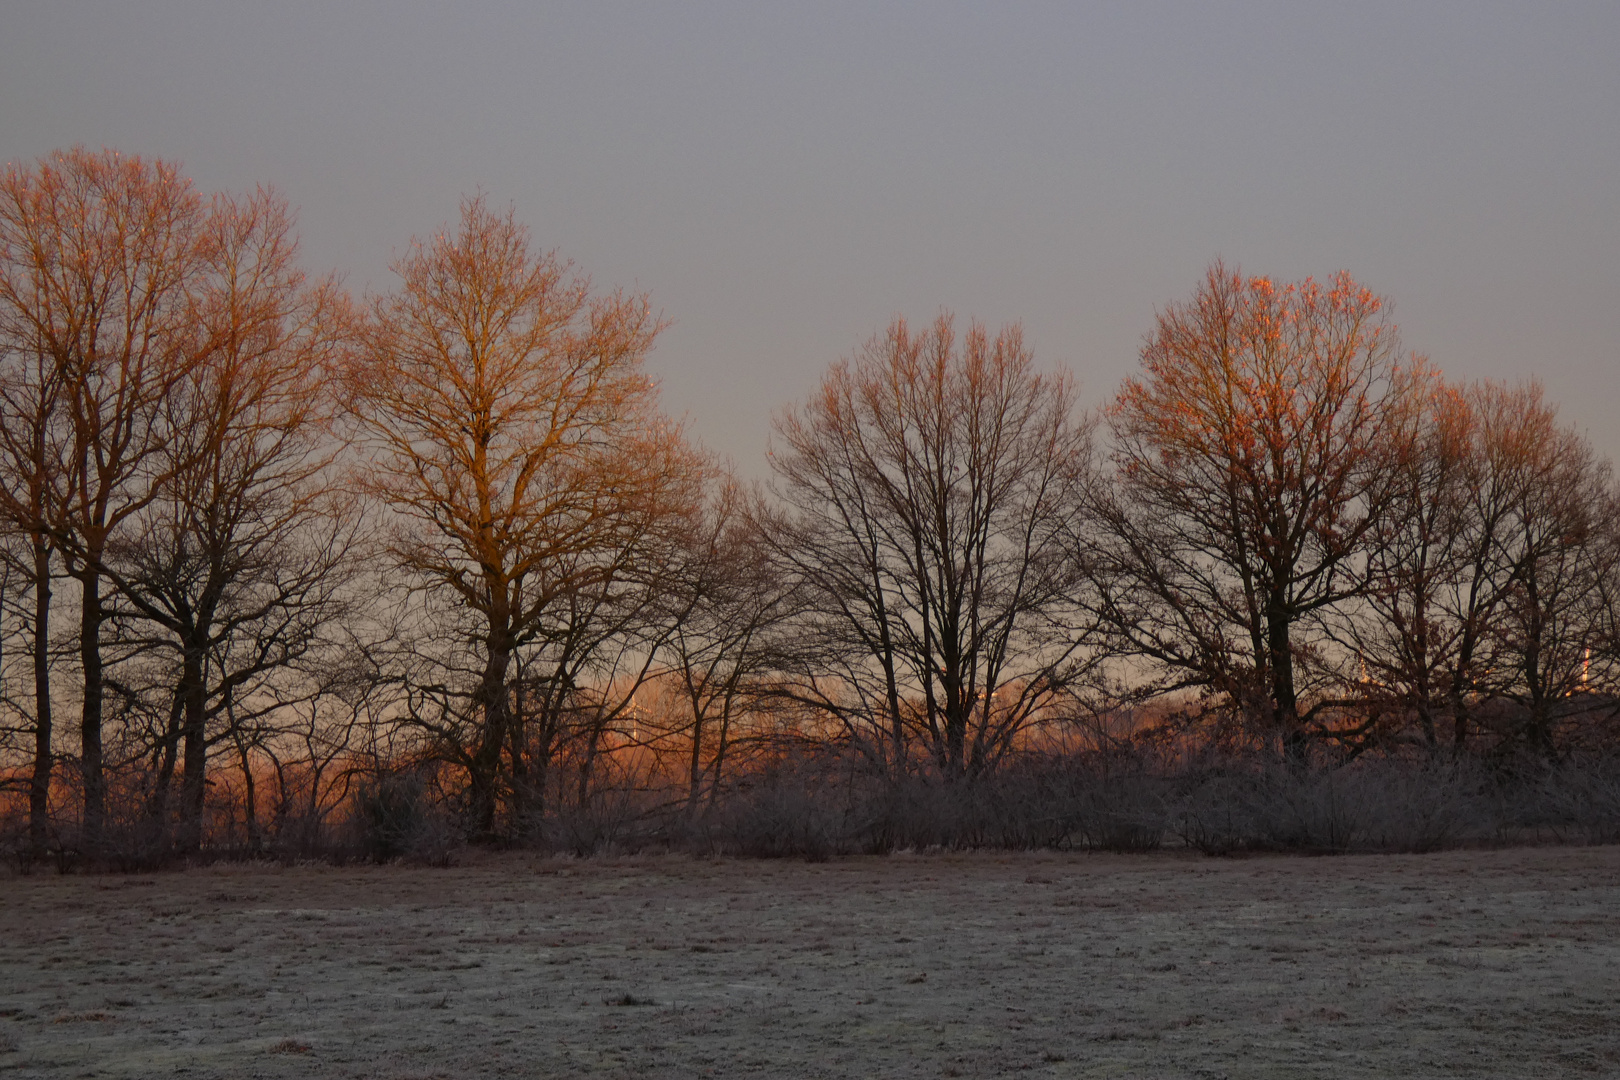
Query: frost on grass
(1483, 963)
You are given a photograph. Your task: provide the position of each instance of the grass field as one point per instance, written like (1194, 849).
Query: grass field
(1498, 963)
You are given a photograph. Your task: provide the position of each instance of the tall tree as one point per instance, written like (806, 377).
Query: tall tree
(1428, 590)
(1486, 571)
(514, 436)
(231, 574)
(1551, 551)
(924, 491)
(1251, 460)
(100, 256)
(30, 431)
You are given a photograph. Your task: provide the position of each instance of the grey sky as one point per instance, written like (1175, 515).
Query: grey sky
(783, 180)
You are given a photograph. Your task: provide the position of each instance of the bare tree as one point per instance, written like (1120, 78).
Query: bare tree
(1428, 590)
(29, 432)
(234, 573)
(315, 750)
(726, 602)
(578, 678)
(1553, 548)
(512, 434)
(1485, 572)
(99, 258)
(924, 494)
(1252, 460)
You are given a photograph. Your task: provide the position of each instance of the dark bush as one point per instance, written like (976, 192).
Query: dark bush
(392, 816)
(1372, 805)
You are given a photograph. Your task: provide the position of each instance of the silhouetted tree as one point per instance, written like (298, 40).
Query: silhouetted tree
(1553, 547)
(235, 572)
(101, 256)
(725, 606)
(509, 428)
(924, 491)
(1252, 461)
(30, 430)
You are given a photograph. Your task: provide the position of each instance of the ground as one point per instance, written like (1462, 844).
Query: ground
(1480, 963)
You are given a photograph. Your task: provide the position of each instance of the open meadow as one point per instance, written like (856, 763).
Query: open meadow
(1468, 963)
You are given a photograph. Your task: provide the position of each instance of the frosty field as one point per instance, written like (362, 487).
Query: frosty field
(1482, 963)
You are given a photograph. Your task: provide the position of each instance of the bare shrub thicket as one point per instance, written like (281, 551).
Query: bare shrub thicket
(379, 580)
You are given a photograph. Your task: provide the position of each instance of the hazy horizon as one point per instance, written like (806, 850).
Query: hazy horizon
(784, 182)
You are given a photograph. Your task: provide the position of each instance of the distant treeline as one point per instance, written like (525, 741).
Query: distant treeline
(286, 570)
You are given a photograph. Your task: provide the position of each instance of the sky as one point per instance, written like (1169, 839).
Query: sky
(784, 179)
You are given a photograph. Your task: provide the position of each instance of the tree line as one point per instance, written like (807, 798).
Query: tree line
(276, 557)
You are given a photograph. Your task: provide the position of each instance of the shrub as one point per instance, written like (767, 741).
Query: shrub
(393, 817)
(1373, 805)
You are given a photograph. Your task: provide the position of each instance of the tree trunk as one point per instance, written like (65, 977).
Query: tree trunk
(722, 744)
(1457, 693)
(955, 733)
(39, 783)
(694, 768)
(194, 783)
(250, 800)
(521, 785)
(90, 755)
(587, 764)
(157, 807)
(1283, 699)
(483, 775)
